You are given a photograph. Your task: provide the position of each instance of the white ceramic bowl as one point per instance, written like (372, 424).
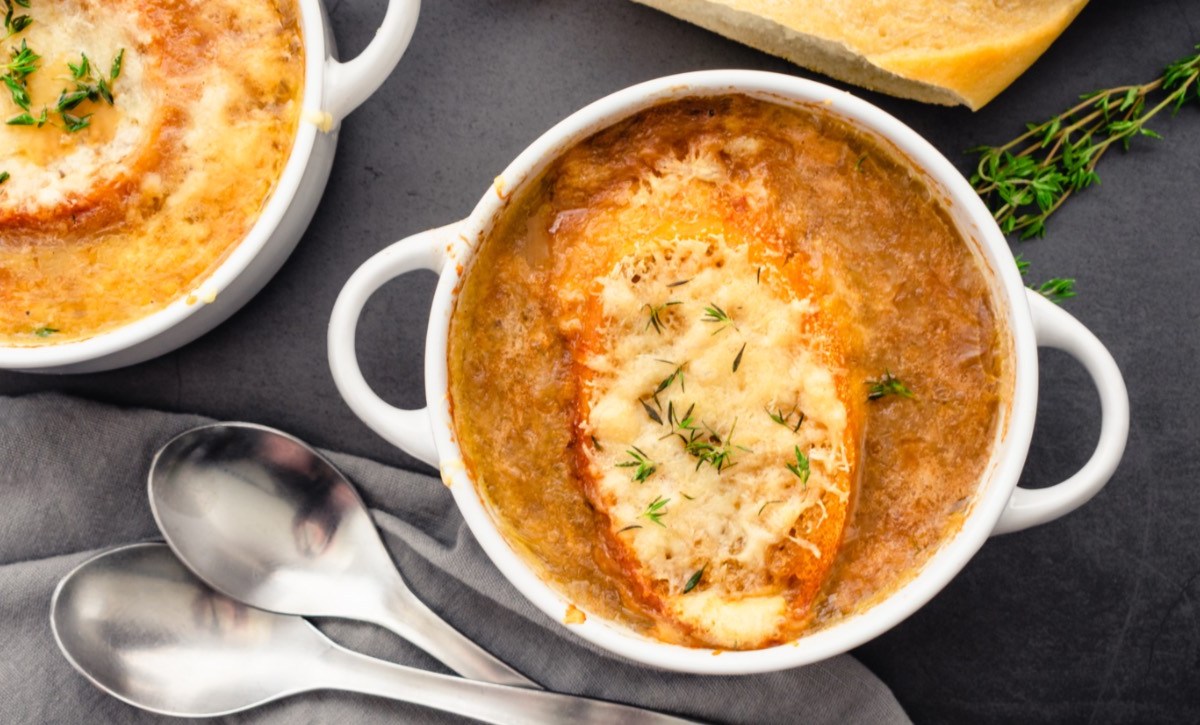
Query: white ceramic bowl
(1000, 507)
(332, 90)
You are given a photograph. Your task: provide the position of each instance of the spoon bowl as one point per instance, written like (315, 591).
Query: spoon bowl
(265, 519)
(141, 627)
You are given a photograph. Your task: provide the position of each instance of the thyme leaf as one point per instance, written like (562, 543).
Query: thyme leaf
(785, 419)
(765, 505)
(694, 579)
(887, 385)
(713, 313)
(656, 510)
(639, 460)
(801, 468)
(656, 312)
(650, 411)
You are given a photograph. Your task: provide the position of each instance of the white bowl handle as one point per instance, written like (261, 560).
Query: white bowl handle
(410, 430)
(1056, 328)
(348, 84)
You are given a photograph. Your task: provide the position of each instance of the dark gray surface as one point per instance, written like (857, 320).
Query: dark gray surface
(1093, 618)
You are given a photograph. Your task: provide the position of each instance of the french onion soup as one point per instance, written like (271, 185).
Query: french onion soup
(726, 372)
(141, 140)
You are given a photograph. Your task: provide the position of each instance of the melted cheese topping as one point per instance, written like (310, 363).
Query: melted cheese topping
(106, 225)
(670, 297)
(730, 520)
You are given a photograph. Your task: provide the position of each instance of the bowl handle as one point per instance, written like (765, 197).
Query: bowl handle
(350, 83)
(410, 430)
(1056, 328)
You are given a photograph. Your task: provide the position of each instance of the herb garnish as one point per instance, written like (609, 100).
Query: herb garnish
(650, 411)
(1055, 289)
(858, 165)
(694, 579)
(645, 467)
(45, 331)
(88, 87)
(801, 468)
(14, 23)
(666, 382)
(713, 313)
(765, 505)
(3, 176)
(709, 448)
(737, 361)
(655, 511)
(887, 385)
(1027, 179)
(629, 528)
(656, 312)
(679, 283)
(785, 419)
(21, 64)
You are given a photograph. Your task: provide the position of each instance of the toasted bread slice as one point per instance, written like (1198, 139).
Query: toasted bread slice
(717, 427)
(950, 53)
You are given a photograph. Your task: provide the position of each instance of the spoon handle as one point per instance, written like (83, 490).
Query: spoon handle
(408, 617)
(487, 702)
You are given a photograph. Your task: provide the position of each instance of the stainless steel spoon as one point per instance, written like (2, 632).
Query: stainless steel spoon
(263, 518)
(143, 628)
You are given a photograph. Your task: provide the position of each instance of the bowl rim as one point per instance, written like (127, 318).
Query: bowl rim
(1009, 448)
(207, 288)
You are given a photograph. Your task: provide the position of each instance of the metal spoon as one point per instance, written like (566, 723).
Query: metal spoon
(263, 518)
(144, 629)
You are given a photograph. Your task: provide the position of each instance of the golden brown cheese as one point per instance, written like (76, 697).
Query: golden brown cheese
(833, 264)
(692, 342)
(106, 225)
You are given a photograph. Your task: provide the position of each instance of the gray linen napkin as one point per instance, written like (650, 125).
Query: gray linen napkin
(72, 483)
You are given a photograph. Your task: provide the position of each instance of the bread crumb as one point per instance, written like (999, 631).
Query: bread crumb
(323, 120)
(574, 615)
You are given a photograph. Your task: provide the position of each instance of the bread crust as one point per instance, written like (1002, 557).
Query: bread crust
(963, 53)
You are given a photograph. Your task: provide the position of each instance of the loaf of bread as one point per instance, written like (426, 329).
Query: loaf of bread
(948, 52)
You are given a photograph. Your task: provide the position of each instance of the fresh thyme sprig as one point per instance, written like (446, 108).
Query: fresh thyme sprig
(887, 385)
(667, 381)
(713, 313)
(785, 419)
(656, 510)
(645, 467)
(711, 449)
(88, 87)
(14, 23)
(802, 468)
(1029, 178)
(656, 312)
(1055, 289)
(14, 74)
